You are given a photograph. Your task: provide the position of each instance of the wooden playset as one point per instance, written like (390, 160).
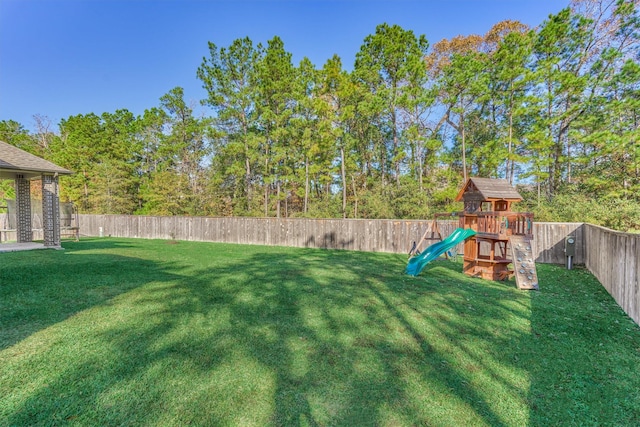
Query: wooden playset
(500, 239)
(503, 237)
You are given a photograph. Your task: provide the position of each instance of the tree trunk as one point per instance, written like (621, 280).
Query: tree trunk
(306, 184)
(551, 179)
(420, 169)
(86, 191)
(464, 149)
(247, 166)
(509, 171)
(278, 199)
(266, 188)
(395, 148)
(286, 204)
(344, 183)
(355, 196)
(460, 129)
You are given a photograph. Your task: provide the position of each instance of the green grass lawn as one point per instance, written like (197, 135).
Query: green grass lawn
(150, 332)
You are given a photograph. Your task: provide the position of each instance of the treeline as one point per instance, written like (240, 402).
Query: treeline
(555, 107)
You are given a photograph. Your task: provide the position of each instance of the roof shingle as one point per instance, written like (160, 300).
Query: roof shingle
(16, 160)
(491, 188)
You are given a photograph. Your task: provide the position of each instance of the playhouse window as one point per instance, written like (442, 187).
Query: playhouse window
(471, 206)
(484, 250)
(502, 205)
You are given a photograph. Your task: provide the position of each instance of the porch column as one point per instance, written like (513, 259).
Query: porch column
(23, 210)
(50, 211)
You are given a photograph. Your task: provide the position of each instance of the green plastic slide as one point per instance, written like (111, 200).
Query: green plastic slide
(417, 263)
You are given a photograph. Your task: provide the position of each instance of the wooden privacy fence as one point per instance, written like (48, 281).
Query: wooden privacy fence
(379, 235)
(614, 258)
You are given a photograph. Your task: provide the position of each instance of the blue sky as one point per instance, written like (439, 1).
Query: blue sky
(65, 57)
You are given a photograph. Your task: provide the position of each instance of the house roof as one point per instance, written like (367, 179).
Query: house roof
(14, 161)
(490, 189)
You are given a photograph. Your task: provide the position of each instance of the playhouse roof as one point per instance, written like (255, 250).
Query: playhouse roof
(488, 189)
(14, 161)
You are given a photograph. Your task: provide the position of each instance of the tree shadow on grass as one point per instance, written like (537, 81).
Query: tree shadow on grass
(287, 337)
(270, 336)
(41, 288)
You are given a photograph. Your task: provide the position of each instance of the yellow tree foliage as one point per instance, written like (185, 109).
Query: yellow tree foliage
(499, 31)
(442, 51)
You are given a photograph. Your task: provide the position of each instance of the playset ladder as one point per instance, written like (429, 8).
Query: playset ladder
(524, 266)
